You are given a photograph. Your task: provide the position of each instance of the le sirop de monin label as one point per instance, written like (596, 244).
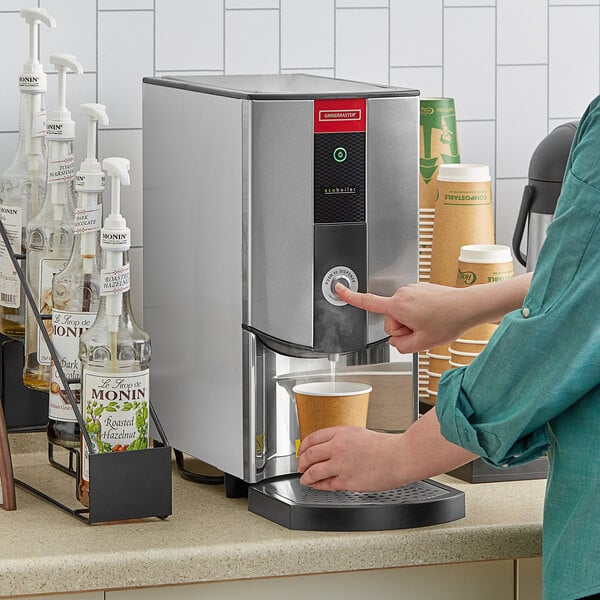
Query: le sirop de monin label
(115, 411)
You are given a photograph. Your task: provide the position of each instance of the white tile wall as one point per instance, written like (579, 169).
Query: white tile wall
(574, 70)
(469, 60)
(306, 34)
(362, 48)
(516, 69)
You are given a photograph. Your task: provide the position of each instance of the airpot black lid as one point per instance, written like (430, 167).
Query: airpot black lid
(550, 157)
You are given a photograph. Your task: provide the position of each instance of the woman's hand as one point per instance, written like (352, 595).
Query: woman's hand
(349, 458)
(424, 315)
(417, 316)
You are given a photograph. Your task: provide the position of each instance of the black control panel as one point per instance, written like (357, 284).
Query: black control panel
(339, 177)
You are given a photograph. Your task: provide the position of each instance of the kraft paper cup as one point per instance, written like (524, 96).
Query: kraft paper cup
(438, 144)
(464, 215)
(432, 396)
(434, 380)
(458, 357)
(438, 363)
(325, 404)
(466, 345)
(480, 264)
(483, 263)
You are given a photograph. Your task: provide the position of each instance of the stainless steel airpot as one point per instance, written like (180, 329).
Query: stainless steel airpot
(546, 172)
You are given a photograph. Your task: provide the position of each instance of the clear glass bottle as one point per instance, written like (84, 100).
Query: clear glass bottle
(50, 233)
(23, 184)
(115, 351)
(76, 289)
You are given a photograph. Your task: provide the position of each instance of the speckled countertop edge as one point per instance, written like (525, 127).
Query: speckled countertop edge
(211, 538)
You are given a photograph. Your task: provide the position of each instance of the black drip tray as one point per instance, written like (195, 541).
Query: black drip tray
(286, 502)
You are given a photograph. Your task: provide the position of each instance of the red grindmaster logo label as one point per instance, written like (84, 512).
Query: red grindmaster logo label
(340, 115)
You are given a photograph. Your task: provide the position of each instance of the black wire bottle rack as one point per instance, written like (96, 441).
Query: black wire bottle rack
(122, 485)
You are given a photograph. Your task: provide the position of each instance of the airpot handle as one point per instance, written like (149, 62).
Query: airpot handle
(526, 202)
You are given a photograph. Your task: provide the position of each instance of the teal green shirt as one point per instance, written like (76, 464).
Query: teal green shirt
(536, 387)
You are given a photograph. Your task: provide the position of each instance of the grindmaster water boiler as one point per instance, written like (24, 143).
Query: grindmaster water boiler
(260, 193)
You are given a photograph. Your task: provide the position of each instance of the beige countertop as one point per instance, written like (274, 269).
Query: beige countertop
(211, 538)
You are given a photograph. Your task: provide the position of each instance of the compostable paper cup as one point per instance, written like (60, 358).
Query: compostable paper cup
(480, 264)
(434, 380)
(457, 357)
(438, 363)
(438, 143)
(324, 404)
(466, 345)
(463, 215)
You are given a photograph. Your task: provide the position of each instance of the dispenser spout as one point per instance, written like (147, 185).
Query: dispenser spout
(333, 357)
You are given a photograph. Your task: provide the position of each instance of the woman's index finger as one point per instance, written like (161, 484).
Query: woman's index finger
(369, 302)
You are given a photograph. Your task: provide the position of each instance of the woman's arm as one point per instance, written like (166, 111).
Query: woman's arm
(424, 315)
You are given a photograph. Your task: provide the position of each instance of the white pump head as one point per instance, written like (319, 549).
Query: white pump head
(115, 239)
(33, 79)
(117, 169)
(60, 124)
(90, 177)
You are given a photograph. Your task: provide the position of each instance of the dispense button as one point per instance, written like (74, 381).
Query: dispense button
(340, 154)
(340, 279)
(344, 275)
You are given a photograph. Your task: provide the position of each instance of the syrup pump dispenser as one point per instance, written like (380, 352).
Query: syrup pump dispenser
(50, 233)
(114, 351)
(23, 184)
(76, 289)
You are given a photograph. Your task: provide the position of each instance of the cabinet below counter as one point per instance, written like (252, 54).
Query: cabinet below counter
(210, 539)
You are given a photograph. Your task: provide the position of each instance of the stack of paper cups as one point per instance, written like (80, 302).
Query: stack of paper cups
(463, 216)
(479, 264)
(438, 145)
(426, 217)
(438, 362)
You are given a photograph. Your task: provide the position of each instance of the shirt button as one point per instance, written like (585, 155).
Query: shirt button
(525, 312)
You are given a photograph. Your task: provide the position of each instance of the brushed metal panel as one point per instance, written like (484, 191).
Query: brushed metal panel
(192, 269)
(281, 219)
(392, 198)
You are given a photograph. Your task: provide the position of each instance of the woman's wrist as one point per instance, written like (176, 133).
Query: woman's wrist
(489, 303)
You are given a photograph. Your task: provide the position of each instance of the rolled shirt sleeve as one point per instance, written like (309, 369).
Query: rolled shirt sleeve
(542, 358)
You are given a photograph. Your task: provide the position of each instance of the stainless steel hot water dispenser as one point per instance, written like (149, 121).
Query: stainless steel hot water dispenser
(261, 192)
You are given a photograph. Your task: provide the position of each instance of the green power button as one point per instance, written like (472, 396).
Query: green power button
(340, 154)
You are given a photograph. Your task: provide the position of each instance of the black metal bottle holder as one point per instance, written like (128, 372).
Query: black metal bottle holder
(122, 485)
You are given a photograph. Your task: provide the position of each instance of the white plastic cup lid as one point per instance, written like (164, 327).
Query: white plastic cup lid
(485, 253)
(330, 388)
(463, 172)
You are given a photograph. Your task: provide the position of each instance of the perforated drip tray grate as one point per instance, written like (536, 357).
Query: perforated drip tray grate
(286, 502)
